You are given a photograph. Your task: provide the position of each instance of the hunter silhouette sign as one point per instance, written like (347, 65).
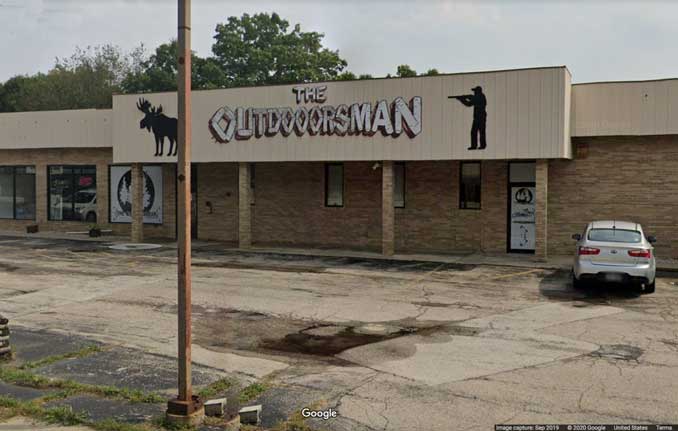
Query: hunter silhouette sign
(161, 125)
(479, 103)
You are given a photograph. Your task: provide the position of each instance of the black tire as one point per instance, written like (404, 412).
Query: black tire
(577, 284)
(91, 218)
(649, 288)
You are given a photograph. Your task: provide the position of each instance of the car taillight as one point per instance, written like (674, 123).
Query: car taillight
(640, 253)
(588, 250)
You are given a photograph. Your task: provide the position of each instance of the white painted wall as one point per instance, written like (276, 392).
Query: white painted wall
(527, 118)
(56, 129)
(625, 108)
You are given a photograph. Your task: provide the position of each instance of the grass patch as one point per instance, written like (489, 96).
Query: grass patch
(64, 415)
(252, 391)
(85, 351)
(22, 377)
(56, 415)
(217, 388)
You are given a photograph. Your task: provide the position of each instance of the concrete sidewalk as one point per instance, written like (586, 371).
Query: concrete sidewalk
(514, 260)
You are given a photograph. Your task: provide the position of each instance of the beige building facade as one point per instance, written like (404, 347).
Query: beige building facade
(495, 162)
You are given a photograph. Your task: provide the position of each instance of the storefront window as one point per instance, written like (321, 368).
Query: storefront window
(469, 187)
(17, 192)
(24, 180)
(252, 182)
(6, 192)
(334, 185)
(399, 185)
(73, 193)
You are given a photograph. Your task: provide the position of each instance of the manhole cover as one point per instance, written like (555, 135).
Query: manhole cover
(132, 247)
(619, 352)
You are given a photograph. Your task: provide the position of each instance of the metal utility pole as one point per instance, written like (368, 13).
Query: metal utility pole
(187, 408)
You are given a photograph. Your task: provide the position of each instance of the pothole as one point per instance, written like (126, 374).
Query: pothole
(380, 329)
(324, 331)
(133, 247)
(325, 345)
(618, 352)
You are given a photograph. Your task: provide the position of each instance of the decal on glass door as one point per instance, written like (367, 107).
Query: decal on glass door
(522, 218)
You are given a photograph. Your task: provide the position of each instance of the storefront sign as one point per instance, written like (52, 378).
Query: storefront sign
(522, 218)
(121, 194)
(365, 118)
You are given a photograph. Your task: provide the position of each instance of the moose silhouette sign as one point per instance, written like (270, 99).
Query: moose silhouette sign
(161, 125)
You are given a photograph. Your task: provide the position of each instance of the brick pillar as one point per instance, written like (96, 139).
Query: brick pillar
(541, 210)
(387, 211)
(137, 187)
(41, 199)
(244, 206)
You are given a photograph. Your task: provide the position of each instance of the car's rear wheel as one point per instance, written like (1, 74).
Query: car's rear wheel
(577, 284)
(649, 288)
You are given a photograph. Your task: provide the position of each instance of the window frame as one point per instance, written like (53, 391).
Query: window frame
(327, 182)
(35, 191)
(461, 182)
(49, 194)
(404, 165)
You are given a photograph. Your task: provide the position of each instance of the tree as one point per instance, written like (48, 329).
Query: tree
(432, 72)
(159, 72)
(346, 76)
(86, 79)
(405, 71)
(259, 49)
(365, 76)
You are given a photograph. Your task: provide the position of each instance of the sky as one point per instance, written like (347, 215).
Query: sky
(597, 40)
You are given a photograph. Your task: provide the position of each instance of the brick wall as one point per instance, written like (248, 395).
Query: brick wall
(290, 207)
(218, 184)
(623, 178)
(432, 220)
(101, 157)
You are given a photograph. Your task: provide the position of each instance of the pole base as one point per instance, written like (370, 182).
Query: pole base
(185, 413)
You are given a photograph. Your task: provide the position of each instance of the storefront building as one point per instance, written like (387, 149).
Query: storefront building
(496, 162)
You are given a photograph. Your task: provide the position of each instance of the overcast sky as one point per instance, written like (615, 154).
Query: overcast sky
(597, 40)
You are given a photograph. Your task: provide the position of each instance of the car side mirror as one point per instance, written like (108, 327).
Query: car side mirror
(651, 239)
(576, 236)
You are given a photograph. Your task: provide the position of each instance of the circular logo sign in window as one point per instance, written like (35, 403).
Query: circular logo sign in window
(125, 193)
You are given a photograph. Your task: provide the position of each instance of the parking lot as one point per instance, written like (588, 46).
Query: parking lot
(389, 345)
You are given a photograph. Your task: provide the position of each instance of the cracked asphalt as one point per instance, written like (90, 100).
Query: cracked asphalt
(389, 345)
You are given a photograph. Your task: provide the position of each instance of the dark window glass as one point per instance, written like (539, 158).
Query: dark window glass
(17, 192)
(469, 187)
(399, 185)
(24, 180)
(334, 184)
(614, 235)
(6, 192)
(73, 193)
(252, 181)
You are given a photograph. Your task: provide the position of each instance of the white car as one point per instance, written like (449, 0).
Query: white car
(615, 251)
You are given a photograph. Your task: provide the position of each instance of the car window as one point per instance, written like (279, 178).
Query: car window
(614, 235)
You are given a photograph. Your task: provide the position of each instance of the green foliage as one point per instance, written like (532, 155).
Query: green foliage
(346, 76)
(432, 72)
(21, 377)
(85, 351)
(10, 407)
(405, 71)
(260, 49)
(159, 72)
(86, 79)
(217, 388)
(252, 391)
